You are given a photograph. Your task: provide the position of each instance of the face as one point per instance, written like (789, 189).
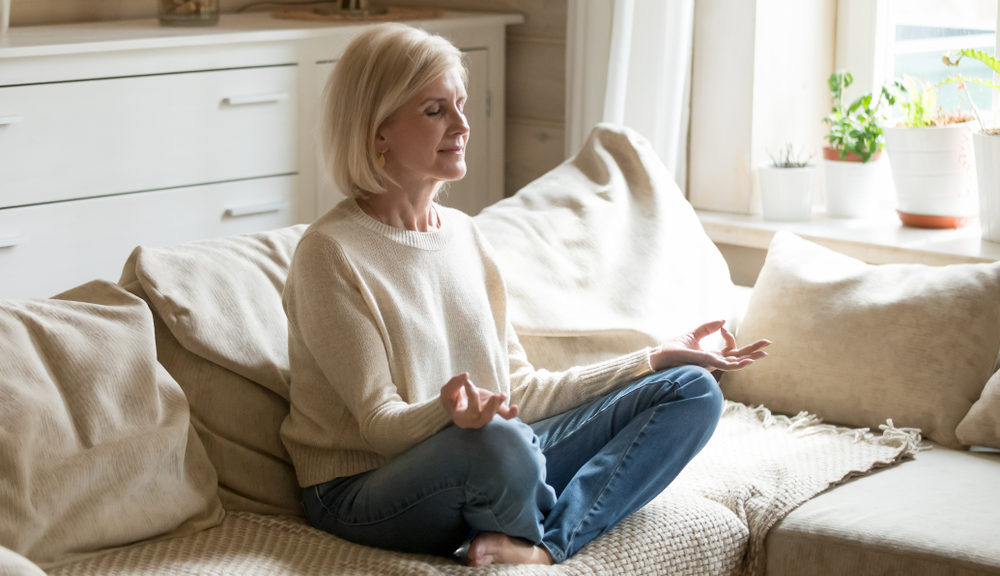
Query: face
(424, 140)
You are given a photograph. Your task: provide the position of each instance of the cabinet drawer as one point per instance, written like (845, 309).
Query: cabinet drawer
(108, 136)
(47, 249)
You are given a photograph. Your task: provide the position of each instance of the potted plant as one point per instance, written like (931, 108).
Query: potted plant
(931, 156)
(786, 185)
(986, 143)
(851, 177)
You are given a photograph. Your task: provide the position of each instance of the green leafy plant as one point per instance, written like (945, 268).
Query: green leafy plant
(954, 58)
(858, 128)
(920, 107)
(789, 157)
(921, 104)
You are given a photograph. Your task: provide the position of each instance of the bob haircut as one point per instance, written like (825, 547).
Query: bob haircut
(380, 70)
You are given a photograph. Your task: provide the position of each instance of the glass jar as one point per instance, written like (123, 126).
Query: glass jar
(188, 12)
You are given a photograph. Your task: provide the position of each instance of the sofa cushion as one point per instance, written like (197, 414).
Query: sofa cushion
(934, 515)
(981, 426)
(223, 335)
(603, 255)
(96, 445)
(858, 344)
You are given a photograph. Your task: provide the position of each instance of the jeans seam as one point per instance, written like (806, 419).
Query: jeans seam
(621, 462)
(593, 417)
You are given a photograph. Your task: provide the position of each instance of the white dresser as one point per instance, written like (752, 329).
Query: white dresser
(119, 134)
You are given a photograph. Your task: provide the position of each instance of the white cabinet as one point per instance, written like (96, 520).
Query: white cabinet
(49, 248)
(108, 136)
(116, 134)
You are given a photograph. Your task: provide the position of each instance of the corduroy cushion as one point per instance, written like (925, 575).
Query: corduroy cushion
(96, 445)
(858, 344)
(222, 334)
(981, 426)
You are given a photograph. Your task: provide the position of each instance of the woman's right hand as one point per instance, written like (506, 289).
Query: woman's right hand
(472, 407)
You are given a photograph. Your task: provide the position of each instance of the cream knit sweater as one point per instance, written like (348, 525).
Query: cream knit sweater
(380, 318)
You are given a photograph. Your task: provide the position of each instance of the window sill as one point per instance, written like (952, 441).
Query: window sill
(878, 240)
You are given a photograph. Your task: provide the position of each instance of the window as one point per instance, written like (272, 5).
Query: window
(919, 32)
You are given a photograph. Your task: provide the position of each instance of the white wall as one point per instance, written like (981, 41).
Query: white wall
(759, 81)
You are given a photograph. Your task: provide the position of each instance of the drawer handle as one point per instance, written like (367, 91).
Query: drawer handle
(12, 119)
(267, 98)
(253, 209)
(9, 240)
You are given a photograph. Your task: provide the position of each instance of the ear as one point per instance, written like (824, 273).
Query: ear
(381, 139)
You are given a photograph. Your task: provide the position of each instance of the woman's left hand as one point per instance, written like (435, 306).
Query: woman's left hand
(686, 349)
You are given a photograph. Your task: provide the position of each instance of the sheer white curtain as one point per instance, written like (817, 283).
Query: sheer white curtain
(629, 62)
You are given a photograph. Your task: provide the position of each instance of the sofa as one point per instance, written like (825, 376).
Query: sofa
(141, 418)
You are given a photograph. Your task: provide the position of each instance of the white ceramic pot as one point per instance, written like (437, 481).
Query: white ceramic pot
(988, 171)
(852, 187)
(933, 169)
(786, 193)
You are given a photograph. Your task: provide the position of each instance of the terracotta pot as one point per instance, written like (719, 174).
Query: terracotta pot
(831, 154)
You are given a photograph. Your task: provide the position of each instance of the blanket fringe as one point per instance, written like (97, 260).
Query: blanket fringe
(907, 439)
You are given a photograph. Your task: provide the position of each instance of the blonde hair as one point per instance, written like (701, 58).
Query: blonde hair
(380, 70)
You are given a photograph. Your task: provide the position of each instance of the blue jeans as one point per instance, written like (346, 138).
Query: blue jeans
(558, 483)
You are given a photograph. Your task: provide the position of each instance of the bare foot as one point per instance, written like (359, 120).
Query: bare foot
(496, 548)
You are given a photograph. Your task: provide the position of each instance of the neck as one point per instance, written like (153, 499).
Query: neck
(400, 210)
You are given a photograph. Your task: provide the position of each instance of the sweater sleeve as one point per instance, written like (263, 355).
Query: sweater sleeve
(542, 393)
(335, 319)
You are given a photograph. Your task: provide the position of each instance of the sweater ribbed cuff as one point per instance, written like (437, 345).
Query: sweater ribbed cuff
(608, 375)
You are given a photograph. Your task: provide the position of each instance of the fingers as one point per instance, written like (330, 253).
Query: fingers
(473, 407)
(725, 363)
(508, 412)
(728, 337)
(475, 402)
(750, 349)
(452, 393)
(704, 330)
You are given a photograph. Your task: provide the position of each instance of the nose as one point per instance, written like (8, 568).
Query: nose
(460, 125)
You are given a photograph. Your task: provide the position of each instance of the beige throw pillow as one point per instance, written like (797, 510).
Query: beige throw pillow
(603, 255)
(857, 344)
(96, 445)
(981, 426)
(222, 333)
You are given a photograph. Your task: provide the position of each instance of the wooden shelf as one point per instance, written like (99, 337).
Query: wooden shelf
(879, 240)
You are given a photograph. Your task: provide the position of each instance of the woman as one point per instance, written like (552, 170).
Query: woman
(403, 359)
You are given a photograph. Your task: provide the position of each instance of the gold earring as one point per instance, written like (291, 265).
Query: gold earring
(381, 160)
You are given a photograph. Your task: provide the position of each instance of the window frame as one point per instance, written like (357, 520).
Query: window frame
(863, 45)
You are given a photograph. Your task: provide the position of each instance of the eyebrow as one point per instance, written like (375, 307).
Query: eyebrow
(436, 100)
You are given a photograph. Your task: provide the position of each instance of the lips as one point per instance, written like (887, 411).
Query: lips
(453, 150)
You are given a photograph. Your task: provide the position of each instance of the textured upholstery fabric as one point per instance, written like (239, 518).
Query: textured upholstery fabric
(96, 445)
(981, 426)
(857, 344)
(603, 255)
(711, 520)
(222, 334)
(938, 514)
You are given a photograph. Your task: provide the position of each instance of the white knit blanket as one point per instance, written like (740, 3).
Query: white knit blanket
(712, 520)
